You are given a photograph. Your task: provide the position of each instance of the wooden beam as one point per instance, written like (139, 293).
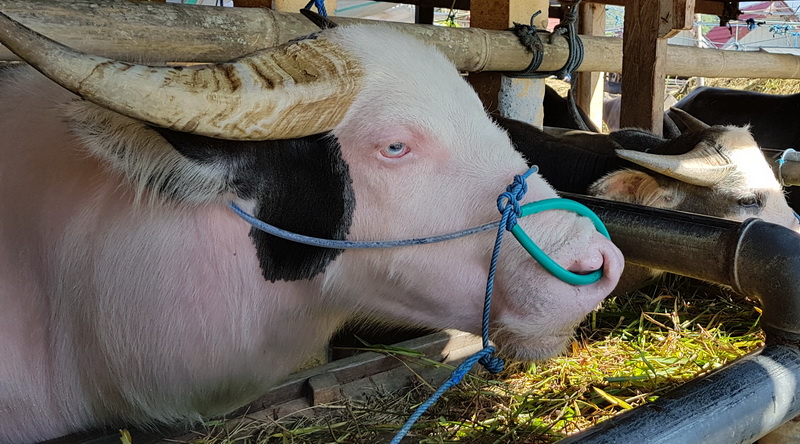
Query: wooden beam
(648, 24)
(643, 61)
(701, 6)
(589, 93)
(167, 31)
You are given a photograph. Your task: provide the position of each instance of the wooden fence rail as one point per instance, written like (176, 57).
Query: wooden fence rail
(175, 32)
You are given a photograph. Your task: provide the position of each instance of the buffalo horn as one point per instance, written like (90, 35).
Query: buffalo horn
(704, 165)
(293, 90)
(692, 123)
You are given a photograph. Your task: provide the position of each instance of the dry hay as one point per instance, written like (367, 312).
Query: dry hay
(630, 352)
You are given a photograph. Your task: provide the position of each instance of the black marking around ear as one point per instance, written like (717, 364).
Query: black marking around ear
(301, 185)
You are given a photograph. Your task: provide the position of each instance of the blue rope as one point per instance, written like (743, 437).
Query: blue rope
(343, 244)
(509, 207)
(320, 5)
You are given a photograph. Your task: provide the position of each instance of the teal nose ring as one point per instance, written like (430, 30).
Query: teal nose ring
(540, 256)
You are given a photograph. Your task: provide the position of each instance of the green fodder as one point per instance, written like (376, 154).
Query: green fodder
(630, 352)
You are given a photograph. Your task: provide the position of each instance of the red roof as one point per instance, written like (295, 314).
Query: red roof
(720, 35)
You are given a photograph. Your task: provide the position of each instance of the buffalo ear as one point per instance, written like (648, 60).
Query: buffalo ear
(637, 140)
(153, 167)
(635, 187)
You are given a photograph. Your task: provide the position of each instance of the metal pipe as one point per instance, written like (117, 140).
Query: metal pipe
(738, 403)
(786, 164)
(750, 397)
(688, 244)
(159, 31)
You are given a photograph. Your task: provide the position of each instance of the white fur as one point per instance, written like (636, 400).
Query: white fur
(750, 174)
(124, 314)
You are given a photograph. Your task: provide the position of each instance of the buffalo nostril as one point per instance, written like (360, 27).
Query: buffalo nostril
(587, 264)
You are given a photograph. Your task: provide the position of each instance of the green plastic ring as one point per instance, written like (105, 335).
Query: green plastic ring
(542, 257)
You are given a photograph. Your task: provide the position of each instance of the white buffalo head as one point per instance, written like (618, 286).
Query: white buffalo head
(719, 171)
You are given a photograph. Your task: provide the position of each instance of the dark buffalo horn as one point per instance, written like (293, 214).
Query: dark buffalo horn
(669, 129)
(691, 122)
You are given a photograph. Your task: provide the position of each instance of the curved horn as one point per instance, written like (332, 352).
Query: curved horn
(292, 90)
(692, 123)
(704, 165)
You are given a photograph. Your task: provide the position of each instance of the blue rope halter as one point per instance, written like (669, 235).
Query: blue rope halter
(509, 207)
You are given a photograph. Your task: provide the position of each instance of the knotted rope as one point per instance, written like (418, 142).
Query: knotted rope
(528, 35)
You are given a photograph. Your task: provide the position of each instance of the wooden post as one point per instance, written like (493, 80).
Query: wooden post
(515, 98)
(644, 50)
(589, 93)
(423, 14)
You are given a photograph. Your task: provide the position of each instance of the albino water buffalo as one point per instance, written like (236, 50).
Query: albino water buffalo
(132, 295)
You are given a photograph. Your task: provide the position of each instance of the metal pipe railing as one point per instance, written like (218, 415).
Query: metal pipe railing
(738, 403)
(750, 397)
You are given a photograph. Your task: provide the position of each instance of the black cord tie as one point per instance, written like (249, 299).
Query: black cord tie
(529, 37)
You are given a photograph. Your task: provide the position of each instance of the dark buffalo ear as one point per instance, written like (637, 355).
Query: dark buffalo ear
(637, 139)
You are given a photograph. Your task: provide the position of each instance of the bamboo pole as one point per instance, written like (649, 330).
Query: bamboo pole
(174, 32)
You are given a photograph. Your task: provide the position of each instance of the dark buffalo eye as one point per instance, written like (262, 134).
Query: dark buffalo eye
(750, 202)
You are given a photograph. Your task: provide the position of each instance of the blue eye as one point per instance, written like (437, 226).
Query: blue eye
(397, 149)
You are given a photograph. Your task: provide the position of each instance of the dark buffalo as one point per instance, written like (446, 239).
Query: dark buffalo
(557, 113)
(772, 118)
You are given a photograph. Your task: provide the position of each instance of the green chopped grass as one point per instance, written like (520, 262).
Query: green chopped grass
(630, 352)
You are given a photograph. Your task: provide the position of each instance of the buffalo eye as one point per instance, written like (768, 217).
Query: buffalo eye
(395, 150)
(750, 202)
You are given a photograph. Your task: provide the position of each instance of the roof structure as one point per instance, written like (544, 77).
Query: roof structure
(768, 11)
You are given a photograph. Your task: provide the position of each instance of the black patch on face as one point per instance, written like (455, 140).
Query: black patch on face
(301, 185)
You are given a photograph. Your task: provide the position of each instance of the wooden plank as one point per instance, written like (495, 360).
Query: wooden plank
(489, 14)
(643, 61)
(589, 92)
(355, 377)
(701, 6)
